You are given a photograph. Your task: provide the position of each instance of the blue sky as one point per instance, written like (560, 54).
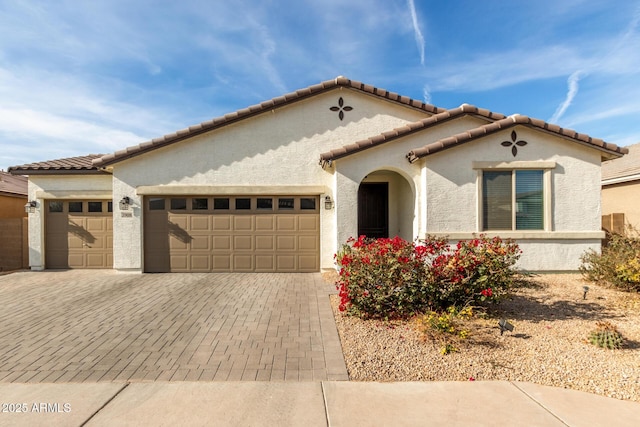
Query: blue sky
(83, 77)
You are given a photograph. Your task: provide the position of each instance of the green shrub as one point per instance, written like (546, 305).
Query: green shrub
(391, 278)
(618, 264)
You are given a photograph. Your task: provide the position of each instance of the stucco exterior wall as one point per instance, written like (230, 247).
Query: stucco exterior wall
(46, 187)
(623, 198)
(452, 195)
(280, 148)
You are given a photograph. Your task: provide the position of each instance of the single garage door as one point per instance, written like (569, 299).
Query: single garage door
(232, 233)
(79, 234)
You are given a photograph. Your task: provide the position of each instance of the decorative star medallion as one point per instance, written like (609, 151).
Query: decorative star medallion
(513, 143)
(341, 108)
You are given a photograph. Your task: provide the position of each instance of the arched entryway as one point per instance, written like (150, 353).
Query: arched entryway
(386, 205)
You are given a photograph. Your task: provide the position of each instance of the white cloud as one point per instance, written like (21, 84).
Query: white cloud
(572, 83)
(416, 30)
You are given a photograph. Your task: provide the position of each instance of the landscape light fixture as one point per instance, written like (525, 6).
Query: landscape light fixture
(505, 326)
(328, 203)
(585, 289)
(30, 207)
(125, 203)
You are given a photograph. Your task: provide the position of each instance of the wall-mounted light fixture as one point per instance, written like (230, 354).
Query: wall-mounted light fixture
(30, 207)
(328, 203)
(125, 203)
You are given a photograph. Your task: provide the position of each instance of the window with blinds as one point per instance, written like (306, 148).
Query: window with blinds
(512, 200)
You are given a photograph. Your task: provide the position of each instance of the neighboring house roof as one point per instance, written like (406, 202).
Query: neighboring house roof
(70, 165)
(624, 169)
(13, 185)
(274, 103)
(608, 150)
(408, 129)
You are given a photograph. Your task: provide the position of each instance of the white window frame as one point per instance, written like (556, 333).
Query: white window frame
(546, 168)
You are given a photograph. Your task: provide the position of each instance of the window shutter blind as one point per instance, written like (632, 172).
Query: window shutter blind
(529, 200)
(496, 200)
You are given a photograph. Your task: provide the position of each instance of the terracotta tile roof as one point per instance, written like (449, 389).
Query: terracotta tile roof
(408, 129)
(253, 110)
(70, 165)
(609, 150)
(623, 169)
(14, 185)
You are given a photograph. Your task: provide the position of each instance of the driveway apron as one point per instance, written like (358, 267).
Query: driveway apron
(88, 326)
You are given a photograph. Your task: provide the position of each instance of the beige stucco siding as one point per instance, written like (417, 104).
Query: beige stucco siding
(279, 148)
(452, 194)
(623, 198)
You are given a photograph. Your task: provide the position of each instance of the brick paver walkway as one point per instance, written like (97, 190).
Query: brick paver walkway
(87, 326)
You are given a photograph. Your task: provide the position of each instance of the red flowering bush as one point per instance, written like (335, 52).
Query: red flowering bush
(394, 278)
(475, 271)
(385, 277)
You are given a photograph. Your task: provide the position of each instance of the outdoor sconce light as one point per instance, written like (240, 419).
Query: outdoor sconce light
(505, 326)
(30, 207)
(125, 203)
(585, 289)
(328, 203)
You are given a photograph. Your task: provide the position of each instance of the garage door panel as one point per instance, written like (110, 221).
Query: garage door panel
(95, 260)
(308, 223)
(221, 243)
(286, 223)
(200, 262)
(242, 262)
(243, 223)
(224, 237)
(179, 221)
(308, 243)
(221, 223)
(81, 239)
(265, 243)
(221, 262)
(201, 243)
(243, 243)
(285, 243)
(179, 262)
(176, 243)
(286, 262)
(200, 223)
(265, 263)
(308, 263)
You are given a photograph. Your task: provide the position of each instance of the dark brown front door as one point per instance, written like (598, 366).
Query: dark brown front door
(373, 210)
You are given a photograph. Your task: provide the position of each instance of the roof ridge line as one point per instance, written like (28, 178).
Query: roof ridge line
(256, 109)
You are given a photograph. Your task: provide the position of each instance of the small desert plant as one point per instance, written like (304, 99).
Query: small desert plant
(606, 335)
(445, 327)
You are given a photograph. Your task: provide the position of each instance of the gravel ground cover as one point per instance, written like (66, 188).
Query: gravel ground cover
(548, 345)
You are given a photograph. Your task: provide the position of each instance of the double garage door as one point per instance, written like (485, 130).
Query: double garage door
(79, 234)
(231, 233)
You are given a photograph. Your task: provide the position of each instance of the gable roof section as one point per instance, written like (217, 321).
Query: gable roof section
(624, 169)
(464, 109)
(13, 185)
(254, 110)
(67, 166)
(609, 151)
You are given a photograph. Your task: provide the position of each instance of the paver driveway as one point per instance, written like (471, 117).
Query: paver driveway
(81, 326)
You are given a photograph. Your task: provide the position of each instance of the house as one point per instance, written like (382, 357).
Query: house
(13, 222)
(279, 186)
(621, 191)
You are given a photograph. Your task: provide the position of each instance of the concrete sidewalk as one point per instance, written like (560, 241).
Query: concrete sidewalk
(308, 404)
